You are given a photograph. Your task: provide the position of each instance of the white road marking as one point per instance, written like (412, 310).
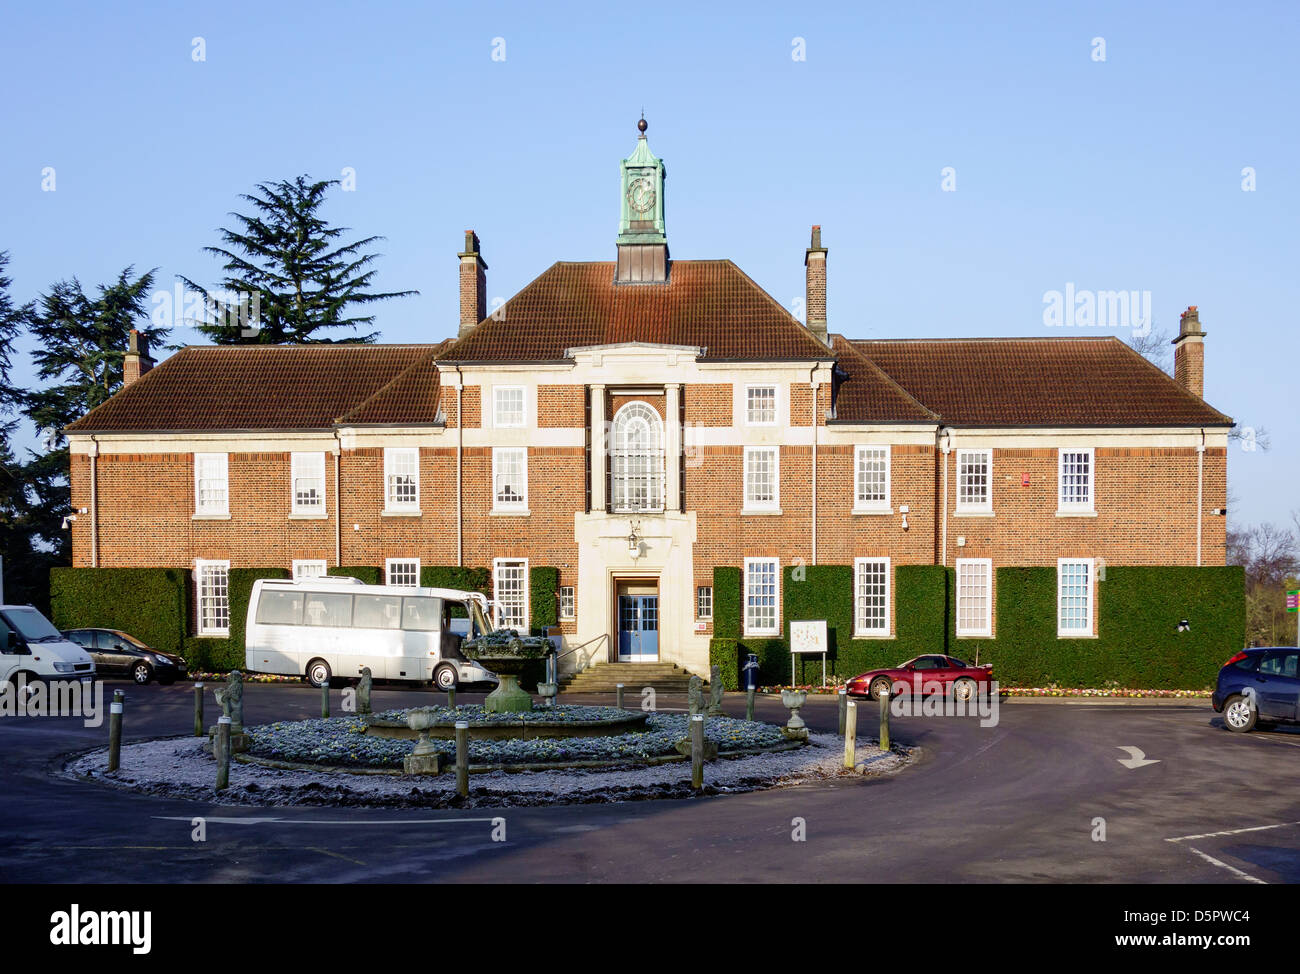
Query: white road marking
(1135, 759)
(309, 821)
(1223, 865)
(1247, 877)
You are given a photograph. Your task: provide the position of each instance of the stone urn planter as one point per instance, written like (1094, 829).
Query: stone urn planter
(507, 654)
(795, 729)
(425, 758)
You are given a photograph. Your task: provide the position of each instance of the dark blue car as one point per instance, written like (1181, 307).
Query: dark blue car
(1259, 688)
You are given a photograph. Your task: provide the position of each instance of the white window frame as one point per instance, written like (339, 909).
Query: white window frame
(861, 506)
(633, 472)
(391, 503)
(497, 565)
(985, 629)
(202, 627)
(520, 506)
(1087, 631)
(301, 563)
(568, 603)
(774, 504)
(1076, 507)
(389, 563)
(211, 510)
(299, 469)
(775, 629)
(985, 507)
(699, 602)
(776, 404)
(497, 421)
(860, 630)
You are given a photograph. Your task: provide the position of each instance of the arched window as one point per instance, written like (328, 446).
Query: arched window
(637, 459)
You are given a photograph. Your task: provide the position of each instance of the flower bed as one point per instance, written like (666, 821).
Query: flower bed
(1048, 691)
(342, 742)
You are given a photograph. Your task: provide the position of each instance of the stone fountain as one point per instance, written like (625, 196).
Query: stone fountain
(507, 654)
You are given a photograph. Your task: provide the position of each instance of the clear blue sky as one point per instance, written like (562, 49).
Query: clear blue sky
(1122, 174)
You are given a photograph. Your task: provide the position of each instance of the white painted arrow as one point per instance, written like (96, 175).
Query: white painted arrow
(1136, 758)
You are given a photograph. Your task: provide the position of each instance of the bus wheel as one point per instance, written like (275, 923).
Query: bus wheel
(444, 677)
(318, 673)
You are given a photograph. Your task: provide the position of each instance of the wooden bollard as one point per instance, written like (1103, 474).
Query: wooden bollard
(844, 709)
(115, 731)
(325, 699)
(618, 695)
(462, 758)
(198, 710)
(749, 704)
(221, 749)
(697, 752)
(850, 733)
(451, 697)
(884, 721)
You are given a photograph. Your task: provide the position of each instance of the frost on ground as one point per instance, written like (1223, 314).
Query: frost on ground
(180, 768)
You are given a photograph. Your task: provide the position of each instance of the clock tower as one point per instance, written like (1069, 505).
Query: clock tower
(642, 246)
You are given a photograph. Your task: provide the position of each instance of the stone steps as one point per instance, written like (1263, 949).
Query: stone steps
(604, 677)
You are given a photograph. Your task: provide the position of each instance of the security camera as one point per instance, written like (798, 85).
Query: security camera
(66, 519)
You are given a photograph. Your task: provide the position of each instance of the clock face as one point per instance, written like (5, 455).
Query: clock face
(641, 195)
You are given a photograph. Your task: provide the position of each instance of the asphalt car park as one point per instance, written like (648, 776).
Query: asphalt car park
(1050, 792)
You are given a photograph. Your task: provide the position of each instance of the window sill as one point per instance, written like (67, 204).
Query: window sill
(1075, 635)
(211, 517)
(760, 510)
(775, 634)
(509, 512)
(389, 512)
(972, 514)
(871, 635)
(308, 517)
(872, 510)
(974, 635)
(213, 635)
(1066, 512)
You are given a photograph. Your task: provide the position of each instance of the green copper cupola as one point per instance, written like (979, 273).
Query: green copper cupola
(642, 243)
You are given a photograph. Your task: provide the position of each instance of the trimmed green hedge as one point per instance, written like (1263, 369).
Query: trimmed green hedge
(543, 598)
(461, 579)
(150, 603)
(1138, 644)
(367, 574)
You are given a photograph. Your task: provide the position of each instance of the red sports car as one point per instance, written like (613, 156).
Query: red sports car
(924, 675)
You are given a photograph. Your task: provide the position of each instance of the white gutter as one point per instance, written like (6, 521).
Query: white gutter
(460, 439)
(815, 387)
(945, 448)
(94, 502)
(1200, 492)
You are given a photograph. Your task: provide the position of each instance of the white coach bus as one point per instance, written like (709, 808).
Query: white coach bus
(327, 626)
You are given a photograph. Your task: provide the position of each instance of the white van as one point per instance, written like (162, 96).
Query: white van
(30, 646)
(326, 626)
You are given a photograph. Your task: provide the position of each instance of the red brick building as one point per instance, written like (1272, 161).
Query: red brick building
(634, 424)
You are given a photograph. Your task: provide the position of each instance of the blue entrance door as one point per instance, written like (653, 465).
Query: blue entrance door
(638, 628)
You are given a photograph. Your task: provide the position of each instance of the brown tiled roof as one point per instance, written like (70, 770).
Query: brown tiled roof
(1039, 382)
(707, 303)
(868, 395)
(274, 387)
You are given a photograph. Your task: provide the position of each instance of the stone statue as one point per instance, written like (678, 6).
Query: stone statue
(231, 699)
(715, 692)
(695, 696)
(363, 691)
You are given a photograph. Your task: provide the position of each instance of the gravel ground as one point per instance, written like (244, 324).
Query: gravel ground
(179, 768)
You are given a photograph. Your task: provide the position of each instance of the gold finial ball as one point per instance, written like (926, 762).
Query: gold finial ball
(641, 125)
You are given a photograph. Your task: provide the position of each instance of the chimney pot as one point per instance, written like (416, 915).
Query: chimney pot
(1189, 353)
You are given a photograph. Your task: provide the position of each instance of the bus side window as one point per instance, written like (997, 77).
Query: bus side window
(421, 613)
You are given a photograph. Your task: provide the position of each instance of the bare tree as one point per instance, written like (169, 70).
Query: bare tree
(1153, 346)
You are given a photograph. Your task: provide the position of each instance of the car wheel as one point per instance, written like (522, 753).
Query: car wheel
(318, 673)
(445, 677)
(141, 673)
(1239, 715)
(880, 688)
(963, 689)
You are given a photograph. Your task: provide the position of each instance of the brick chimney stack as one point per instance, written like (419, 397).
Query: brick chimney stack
(815, 277)
(473, 284)
(1189, 353)
(136, 362)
